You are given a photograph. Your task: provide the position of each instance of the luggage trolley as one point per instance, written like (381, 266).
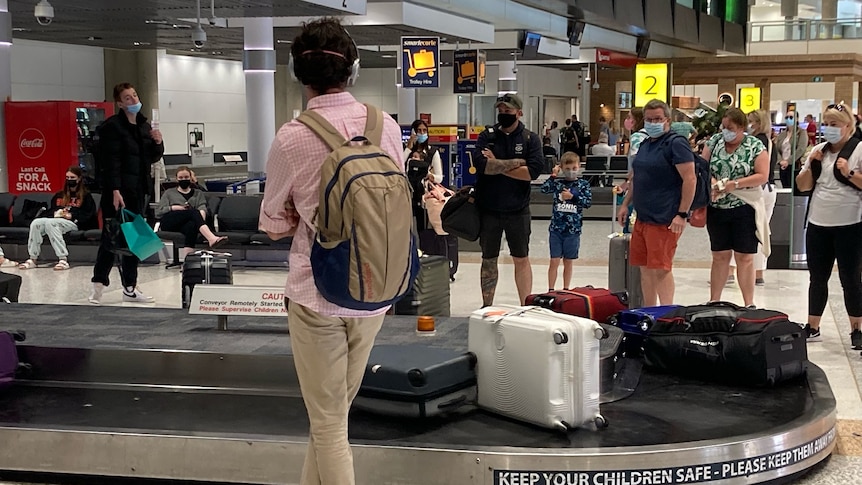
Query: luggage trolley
(421, 62)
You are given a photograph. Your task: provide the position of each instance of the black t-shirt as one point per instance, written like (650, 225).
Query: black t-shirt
(189, 195)
(501, 193)
(772, 161)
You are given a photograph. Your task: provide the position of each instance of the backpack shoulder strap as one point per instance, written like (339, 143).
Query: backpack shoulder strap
(322, 128)
(848, 148)
(374, 124)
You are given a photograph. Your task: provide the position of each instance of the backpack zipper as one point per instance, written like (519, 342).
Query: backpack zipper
(334, 179)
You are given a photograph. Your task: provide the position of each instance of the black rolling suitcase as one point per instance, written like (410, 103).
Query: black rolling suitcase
(10, 287)
(440, 245)
(727, 343)
(205, 267)
(416, 381)
(430, 292)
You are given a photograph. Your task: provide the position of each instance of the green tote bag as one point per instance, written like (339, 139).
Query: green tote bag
(142, 240)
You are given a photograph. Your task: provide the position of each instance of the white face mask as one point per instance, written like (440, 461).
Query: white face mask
(832, 134)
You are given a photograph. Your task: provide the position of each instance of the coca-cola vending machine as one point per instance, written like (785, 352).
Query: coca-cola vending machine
(45, 138)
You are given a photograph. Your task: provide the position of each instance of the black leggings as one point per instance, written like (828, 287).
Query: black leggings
(188, 222)
(823, 246)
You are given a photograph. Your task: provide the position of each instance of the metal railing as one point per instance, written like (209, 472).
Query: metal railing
(805, 30)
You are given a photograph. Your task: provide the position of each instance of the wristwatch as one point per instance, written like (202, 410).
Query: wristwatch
(851, 174)
(684, 215)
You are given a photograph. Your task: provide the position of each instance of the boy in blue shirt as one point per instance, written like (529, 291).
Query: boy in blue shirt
(572, 195)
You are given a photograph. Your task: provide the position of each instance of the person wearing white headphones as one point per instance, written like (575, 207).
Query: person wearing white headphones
(330, 343)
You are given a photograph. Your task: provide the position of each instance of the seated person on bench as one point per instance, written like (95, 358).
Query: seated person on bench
(72, 208)
(183, 209)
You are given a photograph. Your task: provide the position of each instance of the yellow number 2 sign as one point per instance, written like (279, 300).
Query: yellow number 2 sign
(749, 99)
(651, 82)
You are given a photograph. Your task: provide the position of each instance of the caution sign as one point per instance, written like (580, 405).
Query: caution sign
(469, 71)
(420, 62)
(744, 470)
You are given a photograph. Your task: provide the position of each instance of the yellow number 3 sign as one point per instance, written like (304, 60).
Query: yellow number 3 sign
(749, 99)
(651, 82)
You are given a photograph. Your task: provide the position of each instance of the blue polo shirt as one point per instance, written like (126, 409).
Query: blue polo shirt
(657, 184)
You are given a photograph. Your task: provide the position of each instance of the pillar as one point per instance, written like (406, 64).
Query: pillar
(789, 10)
(845, 90)
(765, 93)
(5, 85)
(726, 85)
(259, 66)
(507, 80)
(829, 12)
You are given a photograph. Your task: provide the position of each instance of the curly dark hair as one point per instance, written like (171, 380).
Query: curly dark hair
(316, 68)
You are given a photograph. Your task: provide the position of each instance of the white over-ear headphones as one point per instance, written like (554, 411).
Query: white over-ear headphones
(354, 68)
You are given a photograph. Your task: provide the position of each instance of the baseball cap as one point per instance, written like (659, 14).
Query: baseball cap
(510, 101)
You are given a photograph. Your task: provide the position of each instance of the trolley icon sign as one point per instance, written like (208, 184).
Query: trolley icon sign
(420, 62)
(466, 71)
(469, 72)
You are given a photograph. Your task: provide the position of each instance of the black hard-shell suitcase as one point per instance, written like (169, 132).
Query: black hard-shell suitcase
(10, 287)
(435, 244)
(430, 292)
(609, 353)
(416, 381)
(727, 343)
(205, 267)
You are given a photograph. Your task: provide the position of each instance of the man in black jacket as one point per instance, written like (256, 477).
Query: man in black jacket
(508, 157)
(129, 146)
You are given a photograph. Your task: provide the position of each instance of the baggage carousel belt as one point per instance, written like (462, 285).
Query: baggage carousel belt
(663, 410)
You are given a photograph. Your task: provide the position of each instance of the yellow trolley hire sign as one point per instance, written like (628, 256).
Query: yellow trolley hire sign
(420, 62)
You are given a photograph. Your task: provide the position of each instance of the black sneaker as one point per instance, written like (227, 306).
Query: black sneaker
(812, 333)
(856, 339)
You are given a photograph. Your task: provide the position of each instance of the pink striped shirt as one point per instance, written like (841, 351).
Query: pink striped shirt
(293, 173)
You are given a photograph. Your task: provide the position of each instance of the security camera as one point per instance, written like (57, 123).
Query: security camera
(199, 37)
(515, 70)
(596, 86)
(44, 12)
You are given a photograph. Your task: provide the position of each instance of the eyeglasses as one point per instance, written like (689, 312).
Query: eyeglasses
(655, 120)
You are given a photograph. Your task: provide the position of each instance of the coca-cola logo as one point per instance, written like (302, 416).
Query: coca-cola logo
(32, 143)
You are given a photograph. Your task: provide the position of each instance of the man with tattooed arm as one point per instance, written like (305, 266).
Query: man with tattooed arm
(508, 157)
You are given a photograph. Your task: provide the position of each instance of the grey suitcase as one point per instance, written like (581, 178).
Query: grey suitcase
(430, 292)
(622, 276)
(416, 381)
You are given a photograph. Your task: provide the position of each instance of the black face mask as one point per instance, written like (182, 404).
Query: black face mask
(506, 120)
(71, 184)
(184, 184)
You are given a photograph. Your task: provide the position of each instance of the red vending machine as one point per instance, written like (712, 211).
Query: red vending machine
(44, 138)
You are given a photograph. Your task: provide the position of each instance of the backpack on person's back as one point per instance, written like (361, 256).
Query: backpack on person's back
(364, 255)
(703, 183)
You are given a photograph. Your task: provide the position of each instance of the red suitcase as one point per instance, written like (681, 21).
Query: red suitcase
(594, 303)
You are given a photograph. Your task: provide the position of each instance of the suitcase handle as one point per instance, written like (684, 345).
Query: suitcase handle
(787, 338)
(599, 332)
(454, 403)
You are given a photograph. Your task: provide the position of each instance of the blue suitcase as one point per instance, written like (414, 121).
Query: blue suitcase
(636, 325)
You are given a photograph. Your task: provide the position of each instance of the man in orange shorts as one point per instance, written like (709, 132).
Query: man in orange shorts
(662, 188)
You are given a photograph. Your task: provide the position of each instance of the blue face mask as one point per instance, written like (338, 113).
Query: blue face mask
(832, 134)
(422, 137)
(729, 135)
(790, 121)
(654, 130)
(135, 108)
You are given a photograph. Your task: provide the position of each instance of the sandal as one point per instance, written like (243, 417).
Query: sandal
(221, 241)
(61, 265)
(29, 264)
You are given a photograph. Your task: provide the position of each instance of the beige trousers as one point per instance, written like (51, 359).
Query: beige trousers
(330, 354)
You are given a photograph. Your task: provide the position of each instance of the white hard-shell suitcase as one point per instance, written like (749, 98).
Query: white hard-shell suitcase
(537, 365)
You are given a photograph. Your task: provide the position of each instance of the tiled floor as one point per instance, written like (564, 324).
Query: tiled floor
(785, 290)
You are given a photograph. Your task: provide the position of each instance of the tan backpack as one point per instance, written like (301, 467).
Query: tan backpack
(364, 254)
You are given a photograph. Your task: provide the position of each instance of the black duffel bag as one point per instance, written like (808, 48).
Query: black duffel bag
(727, 343)
(460, 215)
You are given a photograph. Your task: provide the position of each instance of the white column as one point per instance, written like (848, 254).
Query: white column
(5, 85)
(829, 12)
(789, 10)
(508, 79)
(259, 66)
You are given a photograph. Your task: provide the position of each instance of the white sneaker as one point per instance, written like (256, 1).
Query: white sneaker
(96, 295)
(135, 295)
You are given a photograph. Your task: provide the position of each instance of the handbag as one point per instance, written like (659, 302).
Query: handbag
(142, 241)
(460, 215)
(435, 197)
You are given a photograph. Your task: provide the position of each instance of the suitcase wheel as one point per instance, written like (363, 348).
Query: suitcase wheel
(601, 422)
(560, 337)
